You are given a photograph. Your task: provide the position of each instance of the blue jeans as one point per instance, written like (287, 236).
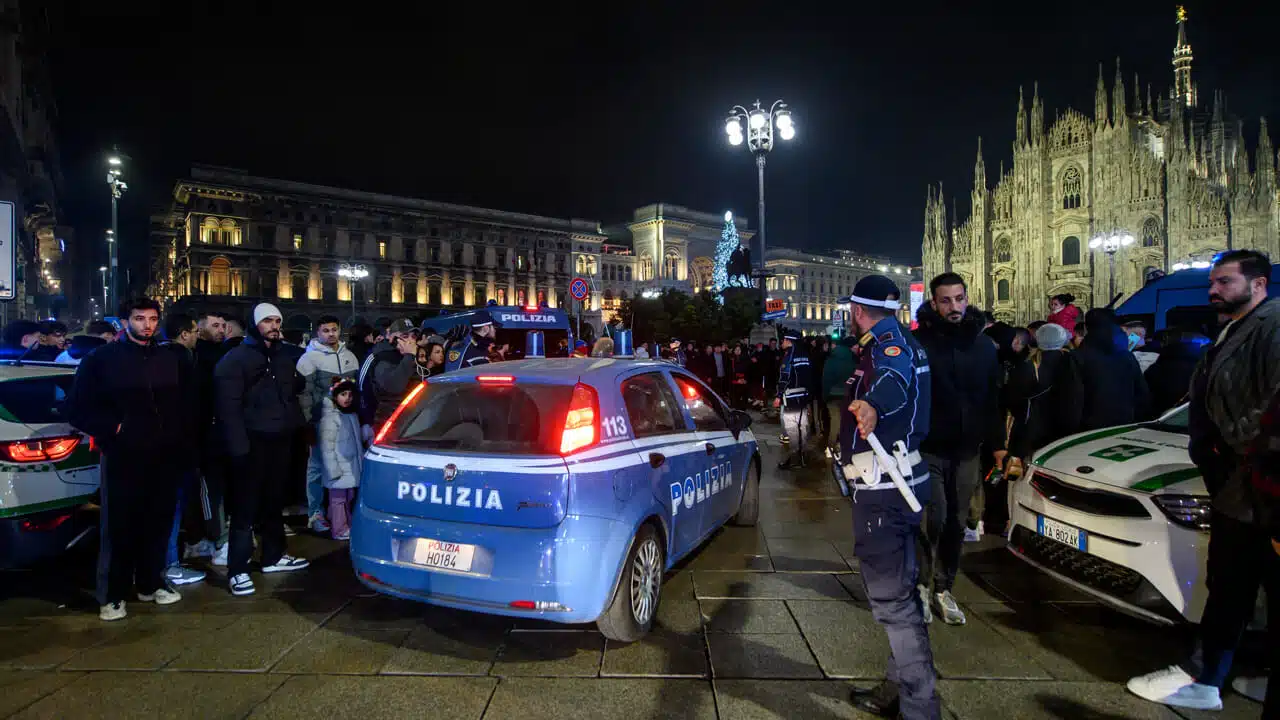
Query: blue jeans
(172, 557)
(315, 482)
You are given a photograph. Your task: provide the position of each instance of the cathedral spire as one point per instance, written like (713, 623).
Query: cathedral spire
(1151, 109)
(1021, 131)
(1266, 162)
(1137, 97)
(1100, 100)
(1037, 115)
(1118, 110)
(979, 171)
(1184, 92)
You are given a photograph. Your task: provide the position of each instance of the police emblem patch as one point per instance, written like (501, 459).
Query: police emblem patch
(893, 351)
(454, 355)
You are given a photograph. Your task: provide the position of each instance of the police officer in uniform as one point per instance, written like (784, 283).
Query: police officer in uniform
(473, 349)
(677, 353)
(793, 396)
(889, 395)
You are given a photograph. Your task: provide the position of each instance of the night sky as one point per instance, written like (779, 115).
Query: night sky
(590, 114)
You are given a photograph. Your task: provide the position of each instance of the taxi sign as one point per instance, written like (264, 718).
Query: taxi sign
(773, 306)
(579, 289)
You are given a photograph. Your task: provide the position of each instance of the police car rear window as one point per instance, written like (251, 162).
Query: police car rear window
(35, 400)
(516, 419)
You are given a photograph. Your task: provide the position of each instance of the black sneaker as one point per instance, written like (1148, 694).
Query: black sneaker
(881, 700)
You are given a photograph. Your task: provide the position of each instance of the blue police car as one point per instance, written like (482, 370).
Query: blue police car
(559, 488)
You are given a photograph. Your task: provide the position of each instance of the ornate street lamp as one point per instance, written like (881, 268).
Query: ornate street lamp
(760, 126)
(118, 187)
(1110, 243)
(353, 274)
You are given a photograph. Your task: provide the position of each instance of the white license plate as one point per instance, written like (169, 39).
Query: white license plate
(443, 555)
(1062, 532)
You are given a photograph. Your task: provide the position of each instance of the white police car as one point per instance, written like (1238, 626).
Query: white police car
(48, 470)
(1121, 514)
(560, 488)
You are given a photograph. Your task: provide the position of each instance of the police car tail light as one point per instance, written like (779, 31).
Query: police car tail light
(581, 423)
(495, 379)
(408, 400)
(43, 450)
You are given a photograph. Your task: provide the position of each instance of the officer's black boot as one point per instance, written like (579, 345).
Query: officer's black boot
(881, 700)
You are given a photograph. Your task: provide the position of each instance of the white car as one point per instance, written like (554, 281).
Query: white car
(48, 470)
(1121, 514)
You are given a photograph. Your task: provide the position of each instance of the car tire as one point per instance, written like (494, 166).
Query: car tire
(749, 507)
(634, 606)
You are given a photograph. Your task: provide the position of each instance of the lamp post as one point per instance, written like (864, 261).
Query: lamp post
(1110, 243)
(760, 124)
(118, 188)
(103, 270)
(353, 273)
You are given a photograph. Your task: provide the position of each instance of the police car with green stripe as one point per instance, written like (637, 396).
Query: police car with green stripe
(1121, 514)
(48, 470)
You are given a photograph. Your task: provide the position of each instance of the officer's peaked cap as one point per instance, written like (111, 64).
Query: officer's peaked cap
(789, 334)
(876, 291)
(481, 318)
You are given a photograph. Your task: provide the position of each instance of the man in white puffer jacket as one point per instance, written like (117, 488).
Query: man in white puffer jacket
(325, 360)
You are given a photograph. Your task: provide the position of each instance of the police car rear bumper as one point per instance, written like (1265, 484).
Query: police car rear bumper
(567, 571)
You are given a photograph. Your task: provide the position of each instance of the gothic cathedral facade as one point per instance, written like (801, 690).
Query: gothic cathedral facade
(1174, 176)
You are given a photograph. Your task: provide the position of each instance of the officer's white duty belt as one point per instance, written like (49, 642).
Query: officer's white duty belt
(865, 459)
(795, 391)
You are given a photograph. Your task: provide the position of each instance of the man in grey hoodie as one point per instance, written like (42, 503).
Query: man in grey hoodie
(325, 360)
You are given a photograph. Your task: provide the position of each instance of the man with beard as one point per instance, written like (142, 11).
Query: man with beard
(965, 376)
(133, 398)
(257, 388)
(211, 332)
(1231, 393)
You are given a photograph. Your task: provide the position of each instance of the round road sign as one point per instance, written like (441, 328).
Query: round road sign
(579, 289)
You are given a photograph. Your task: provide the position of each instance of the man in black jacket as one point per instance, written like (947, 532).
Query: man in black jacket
(257, 385)
(133, 398)
(211, 332)
(966, 376)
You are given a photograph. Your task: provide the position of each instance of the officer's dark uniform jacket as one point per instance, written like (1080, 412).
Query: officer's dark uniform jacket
(793, 377)
(892, 376)
(473, 350)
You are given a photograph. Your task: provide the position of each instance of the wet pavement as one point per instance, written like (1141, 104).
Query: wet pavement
(765, 622)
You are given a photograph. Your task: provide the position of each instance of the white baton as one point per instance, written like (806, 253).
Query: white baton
(891, 468)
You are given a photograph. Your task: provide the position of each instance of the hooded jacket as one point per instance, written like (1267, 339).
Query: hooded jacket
(135, 399)
(256, 390)
(342, 441)
(966, 378)
(318, 366)
(1105, 386)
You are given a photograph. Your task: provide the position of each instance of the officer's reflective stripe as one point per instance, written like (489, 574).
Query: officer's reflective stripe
(796, 391)
(887, 484)
(922, 370)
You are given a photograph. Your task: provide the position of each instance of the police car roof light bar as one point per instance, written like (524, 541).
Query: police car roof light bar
(408, 400)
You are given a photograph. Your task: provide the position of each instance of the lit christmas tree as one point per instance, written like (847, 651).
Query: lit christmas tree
(724, 250)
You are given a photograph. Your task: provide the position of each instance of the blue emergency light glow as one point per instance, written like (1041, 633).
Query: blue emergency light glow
(622, 344)
(535, 344)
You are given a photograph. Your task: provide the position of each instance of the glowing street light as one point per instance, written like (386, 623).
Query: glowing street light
(353, 274)
(1110, 243)
(118, 187)
(761, 124)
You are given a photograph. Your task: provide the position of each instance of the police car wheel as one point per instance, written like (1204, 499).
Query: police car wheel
(635, 599)
(749, 508)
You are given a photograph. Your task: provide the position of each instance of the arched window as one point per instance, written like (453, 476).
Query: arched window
(1071, 251)
(646, 267)
(1071, 189)
(671, 265)
(220, 276)
(1151, 233)
(581, 265)
(1002, 290)
(627, 273)
(1004, 250)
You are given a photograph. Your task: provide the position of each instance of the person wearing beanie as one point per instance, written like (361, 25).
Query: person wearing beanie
(256, 387)
(1052, 336)
(342, 443)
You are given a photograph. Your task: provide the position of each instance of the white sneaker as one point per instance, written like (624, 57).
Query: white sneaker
(112, 611)
(1173, 686)
(286, 563)
(317, 523)
(241, 584)
(1254, 688)
(945, 605)
(972, 535)
(204, 548)
(220, 556)
(981, 530)
(924, 603)
(163, 596)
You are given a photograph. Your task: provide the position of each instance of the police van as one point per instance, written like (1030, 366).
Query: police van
(560, 488)
(513, 325)
(1180, 300)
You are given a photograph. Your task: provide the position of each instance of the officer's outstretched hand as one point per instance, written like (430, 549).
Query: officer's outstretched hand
(866, 416)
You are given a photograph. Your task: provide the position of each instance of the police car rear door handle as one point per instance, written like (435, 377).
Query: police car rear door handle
(710, 448)
(656, 460)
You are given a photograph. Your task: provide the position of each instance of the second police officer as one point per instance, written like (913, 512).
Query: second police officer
(472, 348)
(793, 397)
(889, 395)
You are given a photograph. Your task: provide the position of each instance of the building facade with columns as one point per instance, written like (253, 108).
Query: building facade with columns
(231, 239)
(1174, 174)
(813, 283)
